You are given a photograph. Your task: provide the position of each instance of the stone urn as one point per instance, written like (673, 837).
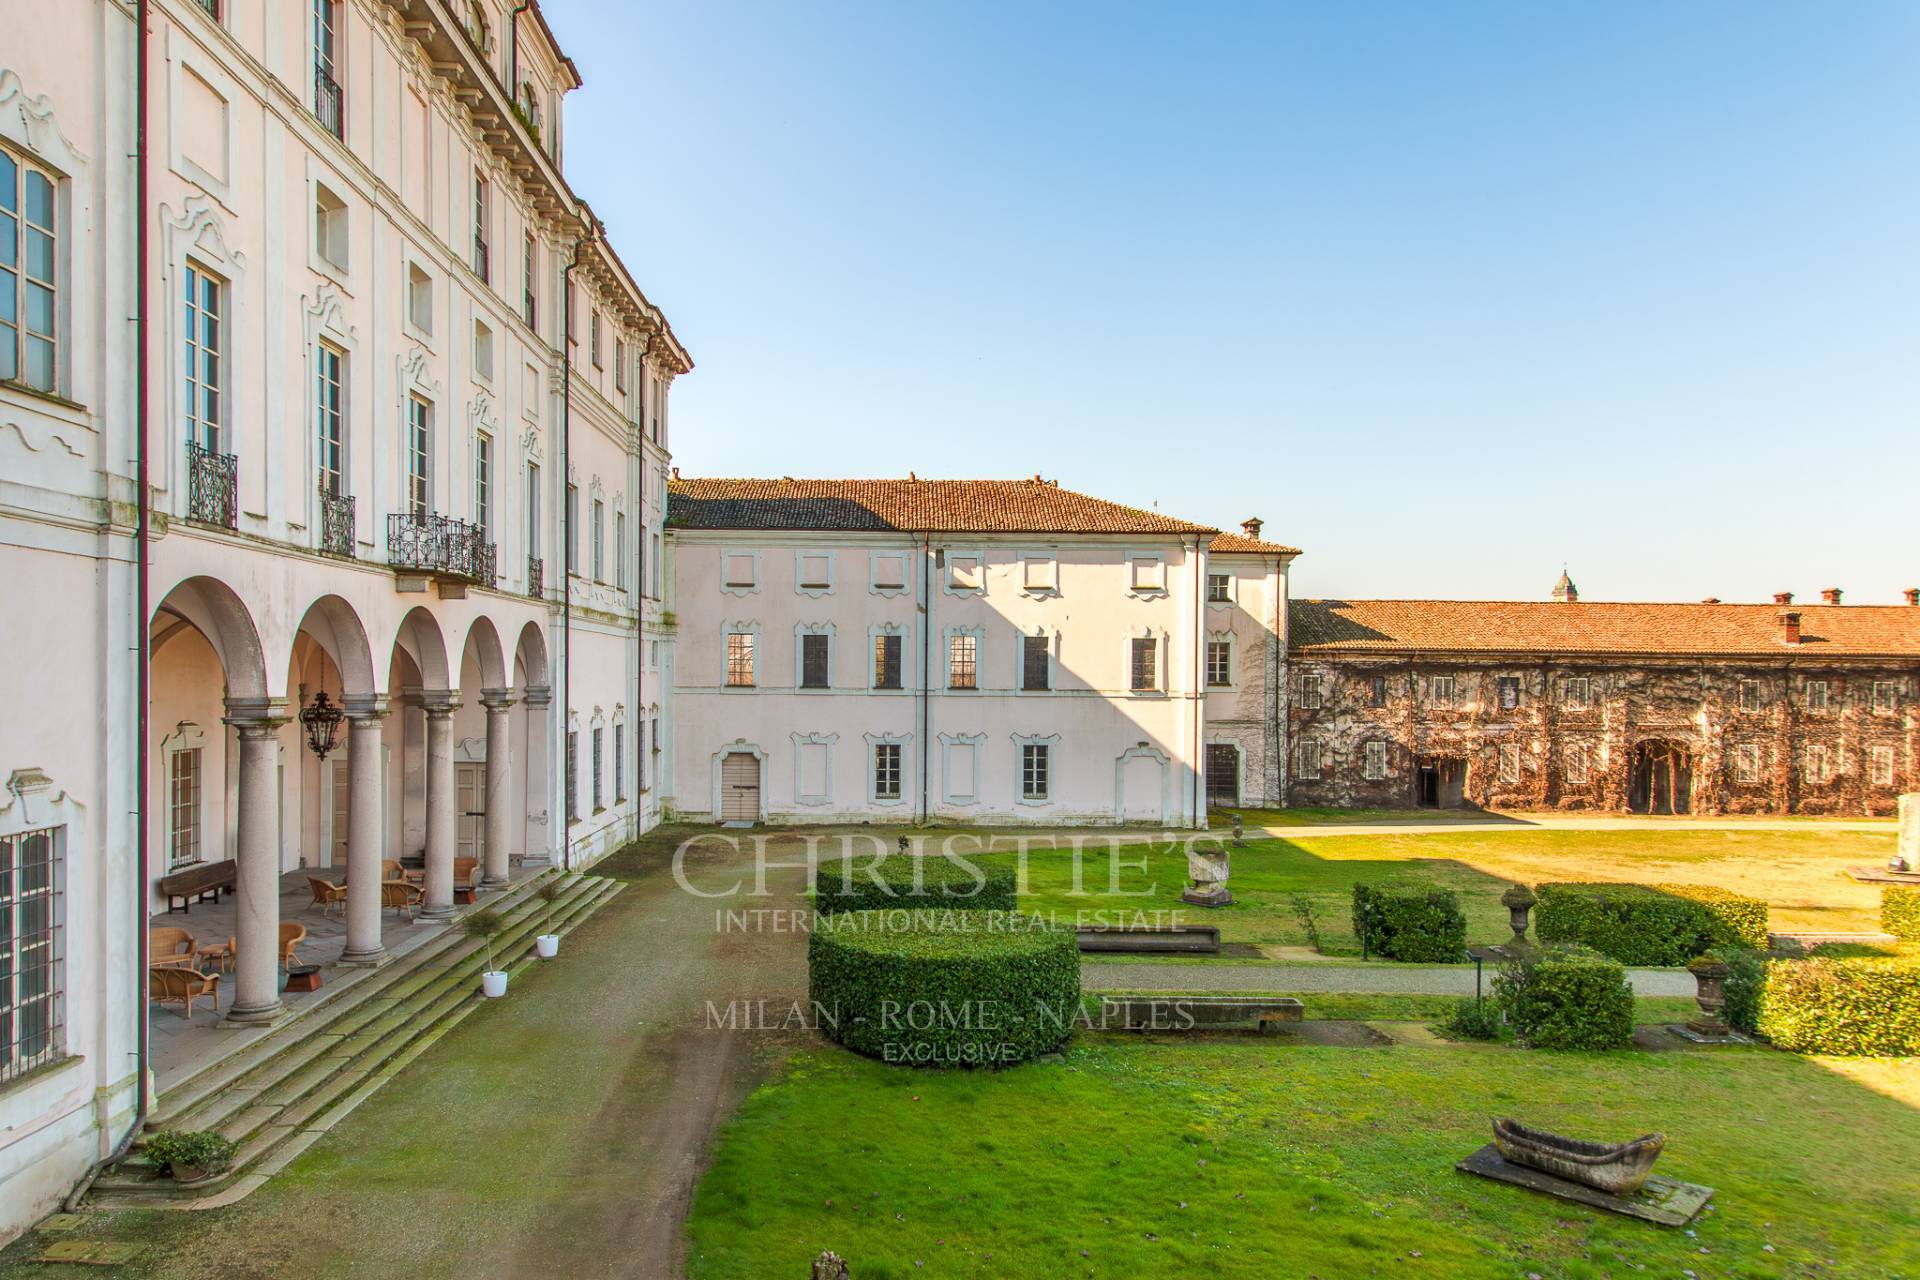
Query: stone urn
(1711, 975)
(1518, 901)
(1208, 869)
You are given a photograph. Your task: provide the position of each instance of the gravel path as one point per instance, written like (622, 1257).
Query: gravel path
(1413, 980)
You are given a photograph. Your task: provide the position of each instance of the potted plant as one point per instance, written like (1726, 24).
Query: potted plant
(482, 925)
(190, 1155)
(547, 944)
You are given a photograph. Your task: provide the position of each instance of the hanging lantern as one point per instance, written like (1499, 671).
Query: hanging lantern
(321, 720)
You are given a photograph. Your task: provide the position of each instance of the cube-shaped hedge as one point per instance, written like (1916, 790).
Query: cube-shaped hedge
(1900, 911)
(942, 988)
(1567, 1000)
(1865, 1006)
(913, 882)
(1649, 924)
(1409, 920)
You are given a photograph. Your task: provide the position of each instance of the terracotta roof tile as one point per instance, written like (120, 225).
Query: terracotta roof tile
(917, 506)
(1595, 627)
(1233, 543)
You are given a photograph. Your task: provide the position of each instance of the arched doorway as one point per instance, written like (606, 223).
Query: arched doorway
(217, 760)
(531, 723)
(425, 701)
(1662, 778)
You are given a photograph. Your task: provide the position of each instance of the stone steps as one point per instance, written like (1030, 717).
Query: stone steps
(279, 1094)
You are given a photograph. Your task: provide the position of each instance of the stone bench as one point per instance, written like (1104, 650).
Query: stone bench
(195, 883)
(1149, 939)
(1199, 1013)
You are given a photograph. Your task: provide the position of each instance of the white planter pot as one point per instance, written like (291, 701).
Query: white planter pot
(493, 983)
(547, 945)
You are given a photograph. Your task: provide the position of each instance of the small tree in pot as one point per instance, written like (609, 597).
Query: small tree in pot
(547, 944)
(482, 925)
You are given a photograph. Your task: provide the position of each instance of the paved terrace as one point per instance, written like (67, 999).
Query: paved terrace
(183, 1047)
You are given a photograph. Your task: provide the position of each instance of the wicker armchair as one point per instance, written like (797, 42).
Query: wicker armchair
(327, 895)
(292, 934)
(169, 983)
(400, 896)
(171, 946)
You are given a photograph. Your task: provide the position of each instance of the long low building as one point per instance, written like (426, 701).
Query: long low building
(1564, 704)
(966, 650)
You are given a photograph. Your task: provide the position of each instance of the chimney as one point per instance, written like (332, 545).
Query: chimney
(1913, 595)
(1251, 527)
(1711, 600)
(1783, 597)
(1830, 595)
(1789, 626)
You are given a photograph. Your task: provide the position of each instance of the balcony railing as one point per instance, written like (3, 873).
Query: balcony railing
(336, 523)
(427, 543)
(536, 577)
(212, 487)
(328, 103)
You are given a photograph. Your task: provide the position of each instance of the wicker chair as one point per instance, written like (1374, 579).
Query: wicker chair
(171, 946)
(292, 934)
(390, 869)
(168, 983)
(327, 895)
(400, 896)
(466, 873)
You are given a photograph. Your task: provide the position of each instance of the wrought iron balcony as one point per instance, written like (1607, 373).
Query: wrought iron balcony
(442, 546)
(536, 577)
(336, 523)
(328, 103)
(212, 487)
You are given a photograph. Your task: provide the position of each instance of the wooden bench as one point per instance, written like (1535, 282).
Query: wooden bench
(1198, 1013)
(195, 883)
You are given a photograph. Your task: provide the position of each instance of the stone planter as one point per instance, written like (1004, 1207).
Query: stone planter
(1711, 975)
(189, 1173)
(493, 983)
(547, 945)
(1518, 901)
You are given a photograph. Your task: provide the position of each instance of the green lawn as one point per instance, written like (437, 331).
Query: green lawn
(1801, 874)
(1246, 1158)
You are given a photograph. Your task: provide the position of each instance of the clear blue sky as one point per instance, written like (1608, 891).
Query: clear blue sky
(1447, 293)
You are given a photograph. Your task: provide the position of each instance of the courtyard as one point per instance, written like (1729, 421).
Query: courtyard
(604, 1121)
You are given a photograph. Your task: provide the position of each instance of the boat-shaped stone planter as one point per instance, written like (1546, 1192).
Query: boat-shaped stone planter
(1619, 1169)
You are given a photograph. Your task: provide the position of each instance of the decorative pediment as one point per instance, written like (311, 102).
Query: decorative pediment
(199, 230)
(530, 445)
(29, 119)
(326, 312)
(416, 370)
(483, 414)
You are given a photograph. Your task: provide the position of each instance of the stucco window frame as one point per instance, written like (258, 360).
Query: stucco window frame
(801, 741)
(1892, 704)
(1141, 751)
(874, 632)
(948, 636)
(1742, 753)
(1161, 676)
(907, 562)
(1510, 751)
(340, 273)
(1021, 741)
(1233, 588)
(800, 629)
(948, 741)
(815, 592)
(186, 736)
(1052, 636)
(1877, 753)
(740, 589)
(741, 627)
(1159, 560)
(184, 59)
(1035, 556)
(979, 558)
(1232, 642)
(30, 126)
(715, 759)
(905, 742)
(30, 802)
(1571, 752)
(325, 323)
(1367, 771)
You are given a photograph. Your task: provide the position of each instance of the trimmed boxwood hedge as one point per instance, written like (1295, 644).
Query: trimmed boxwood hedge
(939, 988)
(900, 881)
(1567, 1000)
(1856, 1007)
(1900, 912)
(1408, 920)
(1649, 924)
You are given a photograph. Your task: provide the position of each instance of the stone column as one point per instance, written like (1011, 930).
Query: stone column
(540, 781)
(439, 706)
(499, 771)
(256, 893)
(366, 840)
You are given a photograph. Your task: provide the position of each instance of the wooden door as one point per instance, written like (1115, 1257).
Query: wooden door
(1223, 774)
(739, 788)
(470, 801)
